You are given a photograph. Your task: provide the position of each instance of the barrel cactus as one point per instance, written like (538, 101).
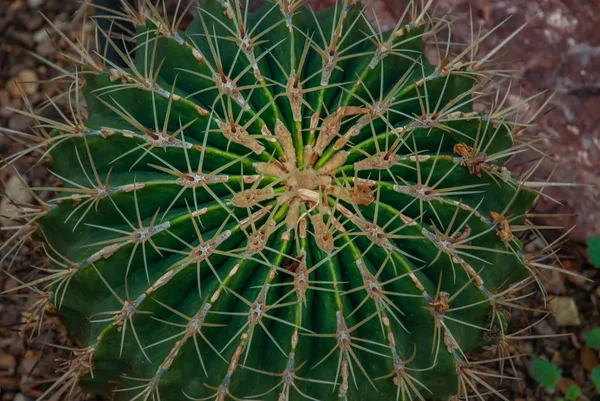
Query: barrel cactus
(282, 205)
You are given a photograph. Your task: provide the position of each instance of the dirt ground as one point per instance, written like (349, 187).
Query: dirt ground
(558, 54)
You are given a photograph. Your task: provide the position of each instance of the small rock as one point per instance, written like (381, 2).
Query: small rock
(23, 38)
(555, 281)
(589, 360)
(19, 122)
(11, 87)
(17, 192)
(8, 212)
(10, 284)
(5, 112)
(16, 189)
(557, 358)
(579, 279)
(34, 22)
(575, 341)
(7, 361)
(15, 5)
(45, 48)
(25, 82)
(28, 81)
(550, 348)
(34, 3)
(8, 384)
(20, 397)
(40, 35)
(527, 348)
(4, 98)
(565, 311)
(543, 328)
(28, 365)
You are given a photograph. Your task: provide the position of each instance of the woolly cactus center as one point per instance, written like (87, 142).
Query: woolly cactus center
(303, 180)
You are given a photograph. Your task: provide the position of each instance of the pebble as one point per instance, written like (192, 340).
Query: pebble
(557, 358)
(4, 98)
(555, 282)
(29, 364)
(543, 328)
(11, 87)
(14, 6)
(579, 280)
(15, 191)
(565, 311)
(10, 284)
(7, 361)
(20, 397)
(34, 3)
(40, 35)
(45, 48)
(575, 341)
(34, 22)
(25, 39)
(19, 122)
(28, 80)
(527, 348)
(5, 112)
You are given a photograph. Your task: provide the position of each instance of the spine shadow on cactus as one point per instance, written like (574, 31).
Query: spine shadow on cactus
(284, 205)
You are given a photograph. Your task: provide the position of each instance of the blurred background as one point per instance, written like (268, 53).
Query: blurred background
(558, 53)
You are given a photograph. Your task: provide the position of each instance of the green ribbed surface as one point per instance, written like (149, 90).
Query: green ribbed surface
(257, 316)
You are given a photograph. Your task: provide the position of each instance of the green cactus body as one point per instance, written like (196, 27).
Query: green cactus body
(283, 205)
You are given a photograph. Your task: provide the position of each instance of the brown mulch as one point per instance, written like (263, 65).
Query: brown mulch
(28, 363)
(559, 51)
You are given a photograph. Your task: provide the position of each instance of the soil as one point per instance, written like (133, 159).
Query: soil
(558, 53)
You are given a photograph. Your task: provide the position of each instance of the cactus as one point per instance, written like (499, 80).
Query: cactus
(282, 205)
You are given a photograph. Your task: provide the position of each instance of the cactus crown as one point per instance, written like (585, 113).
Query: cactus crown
(282, 205)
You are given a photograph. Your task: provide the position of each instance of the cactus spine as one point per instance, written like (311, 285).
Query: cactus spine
(282, 205)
